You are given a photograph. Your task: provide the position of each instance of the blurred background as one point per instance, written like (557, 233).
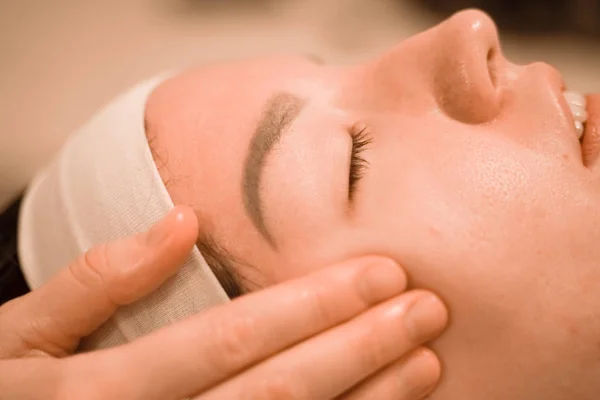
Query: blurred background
(62, 59)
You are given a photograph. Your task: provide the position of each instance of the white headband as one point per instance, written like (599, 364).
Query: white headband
(104, 185)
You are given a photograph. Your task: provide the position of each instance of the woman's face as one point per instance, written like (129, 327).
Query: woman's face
(463, 167)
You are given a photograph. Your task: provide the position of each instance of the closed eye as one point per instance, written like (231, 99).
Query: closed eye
(361, 139)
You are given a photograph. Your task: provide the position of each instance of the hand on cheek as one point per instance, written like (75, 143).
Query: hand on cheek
(348, 331)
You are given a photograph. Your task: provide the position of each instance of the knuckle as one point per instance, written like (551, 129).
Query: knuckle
(23, 336)
(320, 306)
(92, 268)
(98, 270)
(372, 353)
(235, 340)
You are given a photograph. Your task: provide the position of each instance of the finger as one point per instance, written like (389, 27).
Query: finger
(31, 378)
(328, 365)
(196, 353)
(410, 378)
(81, 297)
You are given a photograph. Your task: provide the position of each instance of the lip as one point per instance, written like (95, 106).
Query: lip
(590, 142)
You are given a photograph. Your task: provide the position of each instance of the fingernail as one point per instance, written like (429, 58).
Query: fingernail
(161, 230)
(425, 318)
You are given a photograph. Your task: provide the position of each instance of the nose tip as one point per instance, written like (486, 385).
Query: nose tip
(469, 34)
(475, 21)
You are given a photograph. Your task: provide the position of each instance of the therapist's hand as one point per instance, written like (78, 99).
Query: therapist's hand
(347, 331)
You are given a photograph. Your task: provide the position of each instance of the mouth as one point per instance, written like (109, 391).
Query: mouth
(590, 141)
(585, 112)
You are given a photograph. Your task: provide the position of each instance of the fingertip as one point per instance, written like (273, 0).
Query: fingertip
(381, 278)
(427, 369)
(143, 262)
(419, 372)
(435, 303)
(430, 364)
(186, 221)
(390, 268)
(180, 224)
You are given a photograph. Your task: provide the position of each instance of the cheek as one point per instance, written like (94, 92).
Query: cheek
(507, 238)
(462, 203)
(475, 194)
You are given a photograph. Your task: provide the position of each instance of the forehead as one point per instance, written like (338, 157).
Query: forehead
(228, 97)
(251, 79)
(200, 124)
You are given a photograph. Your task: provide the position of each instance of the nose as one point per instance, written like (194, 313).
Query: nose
(466, 66)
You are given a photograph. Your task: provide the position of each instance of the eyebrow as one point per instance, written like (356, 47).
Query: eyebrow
(281, 110)
(315, 58)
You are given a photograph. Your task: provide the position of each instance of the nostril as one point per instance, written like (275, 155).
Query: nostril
(490, 55)
(492, 65)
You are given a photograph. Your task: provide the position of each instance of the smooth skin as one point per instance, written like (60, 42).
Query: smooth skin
(349, 331)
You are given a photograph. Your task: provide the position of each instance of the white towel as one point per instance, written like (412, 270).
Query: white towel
(104, 185)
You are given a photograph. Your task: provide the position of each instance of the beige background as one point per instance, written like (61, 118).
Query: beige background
(62, 59)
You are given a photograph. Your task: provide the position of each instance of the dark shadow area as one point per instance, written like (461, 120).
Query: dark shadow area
(539, 17)
(12, 282)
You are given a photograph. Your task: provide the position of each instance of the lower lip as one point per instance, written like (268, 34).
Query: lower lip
(590, 142)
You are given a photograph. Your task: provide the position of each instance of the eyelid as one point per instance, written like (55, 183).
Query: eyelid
(361, 139)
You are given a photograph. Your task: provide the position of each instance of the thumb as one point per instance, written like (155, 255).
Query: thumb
(52, 319)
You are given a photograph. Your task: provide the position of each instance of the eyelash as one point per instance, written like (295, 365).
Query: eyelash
(361, 139)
